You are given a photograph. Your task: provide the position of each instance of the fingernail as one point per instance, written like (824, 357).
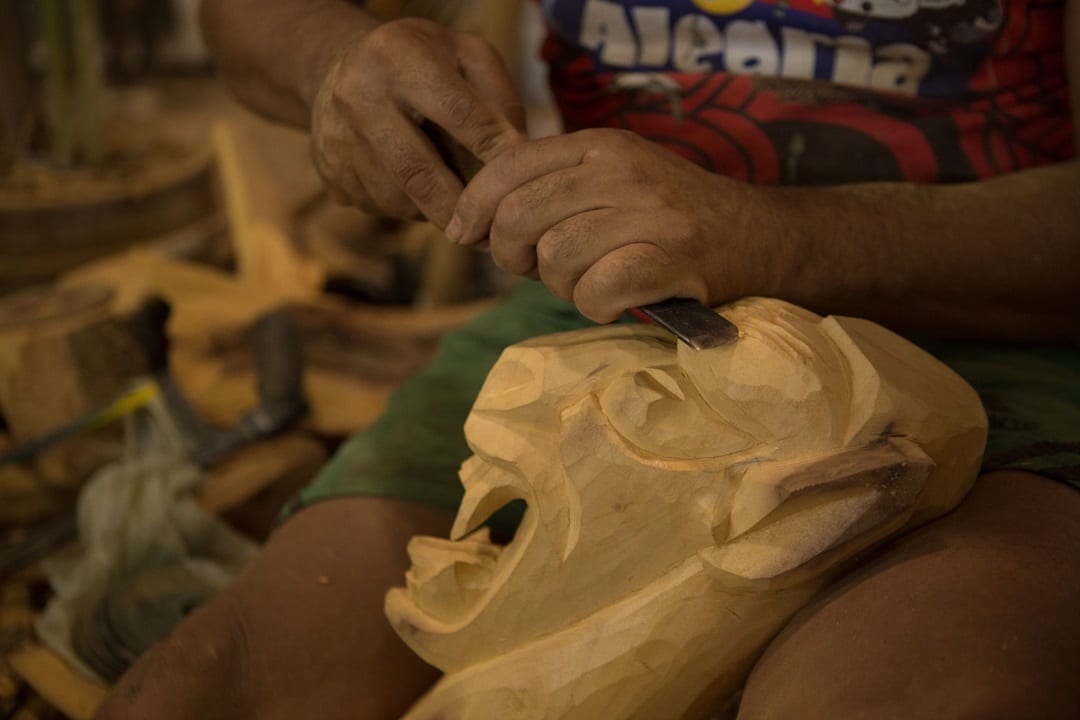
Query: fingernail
(453, 230)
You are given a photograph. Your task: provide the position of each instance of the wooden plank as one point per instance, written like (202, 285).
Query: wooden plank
(213, 311)
(260, 221)
(202, 297)
(251, 469)
(52, 678)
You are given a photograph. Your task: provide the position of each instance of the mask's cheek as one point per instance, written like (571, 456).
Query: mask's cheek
(797, 520)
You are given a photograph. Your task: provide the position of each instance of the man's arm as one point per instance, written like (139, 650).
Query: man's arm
(611, 221)
(274, 54)
(997, 259)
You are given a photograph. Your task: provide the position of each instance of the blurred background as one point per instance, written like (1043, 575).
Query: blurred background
(188, 326)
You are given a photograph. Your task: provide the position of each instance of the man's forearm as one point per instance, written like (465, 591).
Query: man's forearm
(996, 259)
(274, 53)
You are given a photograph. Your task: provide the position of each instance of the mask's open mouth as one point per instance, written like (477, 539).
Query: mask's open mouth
(448, 577)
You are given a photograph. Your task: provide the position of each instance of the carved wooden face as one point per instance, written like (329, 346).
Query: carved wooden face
(637, 458)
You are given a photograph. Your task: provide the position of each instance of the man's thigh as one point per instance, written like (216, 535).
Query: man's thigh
(301, 633)
(971, 616)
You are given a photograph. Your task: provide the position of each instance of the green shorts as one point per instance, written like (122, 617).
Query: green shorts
(413, 452)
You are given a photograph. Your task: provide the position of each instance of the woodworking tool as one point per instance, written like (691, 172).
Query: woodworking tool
(134, 398)
(279, 369)
(691, 321)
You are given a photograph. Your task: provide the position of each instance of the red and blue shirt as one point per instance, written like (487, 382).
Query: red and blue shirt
(821, 91)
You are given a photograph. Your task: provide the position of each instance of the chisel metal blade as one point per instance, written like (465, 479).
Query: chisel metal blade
(692, 321)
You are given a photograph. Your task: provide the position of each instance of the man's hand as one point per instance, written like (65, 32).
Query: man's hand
(366, 120)
(611, 221)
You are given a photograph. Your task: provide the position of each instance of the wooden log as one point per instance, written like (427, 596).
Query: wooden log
(63, 353)
(50, 675)
(53, 220)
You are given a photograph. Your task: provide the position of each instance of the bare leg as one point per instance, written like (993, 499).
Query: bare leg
(300, 634)
(972, 616)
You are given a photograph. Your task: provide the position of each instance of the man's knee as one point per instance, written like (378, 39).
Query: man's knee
(971, 616)
(974, 692)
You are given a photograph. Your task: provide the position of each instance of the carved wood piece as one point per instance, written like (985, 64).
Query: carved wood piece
(682, 505)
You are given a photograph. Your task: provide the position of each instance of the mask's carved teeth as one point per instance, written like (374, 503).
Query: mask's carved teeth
(447, 578)
(481, 501)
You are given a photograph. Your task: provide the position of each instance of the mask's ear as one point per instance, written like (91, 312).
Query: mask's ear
(810, 516)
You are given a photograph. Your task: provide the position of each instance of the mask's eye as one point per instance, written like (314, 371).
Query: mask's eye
(653, 412)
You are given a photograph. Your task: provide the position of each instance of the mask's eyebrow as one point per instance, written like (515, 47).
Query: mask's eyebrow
(784, 335)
